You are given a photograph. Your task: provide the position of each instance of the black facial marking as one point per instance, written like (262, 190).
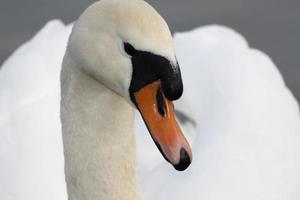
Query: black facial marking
(148, 67)
(161, 105)
(129, 49)
(171, 82)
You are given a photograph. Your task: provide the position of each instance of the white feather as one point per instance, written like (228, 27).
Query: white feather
(247, 141)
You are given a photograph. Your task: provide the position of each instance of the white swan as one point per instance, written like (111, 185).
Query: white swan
(114, 60)
(248, 127)
(235, 100)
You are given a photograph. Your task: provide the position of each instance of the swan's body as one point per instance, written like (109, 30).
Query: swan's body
(31, 142)
(247, 143)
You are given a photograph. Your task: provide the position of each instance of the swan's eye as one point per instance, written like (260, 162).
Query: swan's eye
(129, 49)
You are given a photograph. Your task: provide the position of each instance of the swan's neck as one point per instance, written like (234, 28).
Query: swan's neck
(99, 144)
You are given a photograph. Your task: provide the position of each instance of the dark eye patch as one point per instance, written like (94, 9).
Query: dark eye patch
(129, 49)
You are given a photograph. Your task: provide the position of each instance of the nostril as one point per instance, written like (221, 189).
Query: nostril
(161, 105)
(185, 160)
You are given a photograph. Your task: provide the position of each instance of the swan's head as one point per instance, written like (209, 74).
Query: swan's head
(128, 47)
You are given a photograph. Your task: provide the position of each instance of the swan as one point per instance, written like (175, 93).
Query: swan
(243, 148)
(247, 124)
(113, 63)
(113, 60)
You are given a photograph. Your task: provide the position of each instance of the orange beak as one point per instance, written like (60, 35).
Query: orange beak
(159, 116)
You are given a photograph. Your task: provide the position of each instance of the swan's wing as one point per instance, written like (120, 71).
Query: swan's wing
(248, 127)
(30, 146)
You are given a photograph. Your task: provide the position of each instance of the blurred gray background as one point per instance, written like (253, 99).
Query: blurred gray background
(269, 25)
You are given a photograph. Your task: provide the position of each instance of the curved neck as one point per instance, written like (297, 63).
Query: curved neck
(99, 143)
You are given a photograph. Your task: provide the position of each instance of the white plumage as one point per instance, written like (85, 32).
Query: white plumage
(246, 144)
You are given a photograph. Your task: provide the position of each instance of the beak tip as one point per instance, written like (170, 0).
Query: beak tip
(184, 162)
